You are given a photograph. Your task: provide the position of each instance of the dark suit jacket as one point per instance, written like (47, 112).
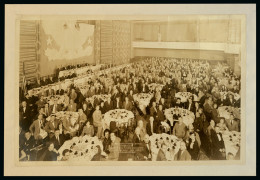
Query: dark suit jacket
(136, 140)
(185, 156)
(108, 106)
(58, 144)
(128, 106)
(186, 106)
(160, 116)
(155, 127)
(216, 145)
(161, 156)
(49, 126)
(120, 104)
(58, 108)
(146, 151)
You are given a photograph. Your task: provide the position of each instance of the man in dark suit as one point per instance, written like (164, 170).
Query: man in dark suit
(147, 149)
(183, 154)
(218, 145)
(178, 103)
(118, 103)
(57, 139)
(189, 104)
(55, 107)
(127, 104)
(151, 126)
(153, 109)
(44, 81)
(26, 119)
(108, 105)
(51, 125)
(232, 124)
(160, 116)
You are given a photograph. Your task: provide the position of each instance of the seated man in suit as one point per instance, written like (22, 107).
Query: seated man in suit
(178, 103)
(36, 127)
(147, 151)
(152, 126)
(127, 104)
(161, 156)
(51, 125)
(160, 116)
(179, 130)
(153, 109)
(182, 154)
(55, 107)
(57, 139)
(232, 124)
(218, 146)
(108, 105)
(118, 103)
(72, 106)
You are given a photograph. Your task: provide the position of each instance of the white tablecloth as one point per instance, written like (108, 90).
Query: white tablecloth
(231, 141)
(183, 96)
(187, 116)
(143, 98)
(118, 115)
(224, 111)
(81, 148)
(155, 87)
(171, 141)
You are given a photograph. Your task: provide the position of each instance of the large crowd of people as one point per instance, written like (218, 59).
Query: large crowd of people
(43, 132)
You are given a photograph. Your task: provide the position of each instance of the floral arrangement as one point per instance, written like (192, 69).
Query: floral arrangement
(183, 96)
(80, 148)
(171, 141)
(187, 116)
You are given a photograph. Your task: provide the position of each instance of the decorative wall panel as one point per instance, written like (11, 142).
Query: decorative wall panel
(121, 42)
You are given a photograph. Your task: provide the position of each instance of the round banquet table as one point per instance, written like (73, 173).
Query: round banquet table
(143, 100)
(80, 148)
(118, 115)
(225, 95)
(183, 96)
(224, 111)
(103, 97)
(171, 141)
(155, 87)
(231, 141)
(187, 116)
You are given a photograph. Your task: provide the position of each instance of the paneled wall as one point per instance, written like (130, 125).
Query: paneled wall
(197, 30)
(29, 56)
(97, 42)
(121, 42)
(115, 42)
(106, 38)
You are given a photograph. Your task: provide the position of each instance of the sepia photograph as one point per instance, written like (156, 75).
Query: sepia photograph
(137, 90)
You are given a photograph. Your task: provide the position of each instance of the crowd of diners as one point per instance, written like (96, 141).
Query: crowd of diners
(177, 75)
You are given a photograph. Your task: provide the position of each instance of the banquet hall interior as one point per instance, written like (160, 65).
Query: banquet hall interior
(163, 88)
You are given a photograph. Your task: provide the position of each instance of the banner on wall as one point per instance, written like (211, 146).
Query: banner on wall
(67, 40)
